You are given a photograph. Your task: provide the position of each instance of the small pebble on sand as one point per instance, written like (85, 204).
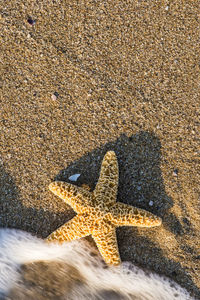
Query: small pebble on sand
(53, 97)
(175, 172)
(31, 21)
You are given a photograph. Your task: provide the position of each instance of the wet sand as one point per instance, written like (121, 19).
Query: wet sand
(81, 78)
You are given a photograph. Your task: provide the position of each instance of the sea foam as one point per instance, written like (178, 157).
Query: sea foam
(33, 269)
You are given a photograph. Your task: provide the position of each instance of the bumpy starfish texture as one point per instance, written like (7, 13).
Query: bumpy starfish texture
(98, 213)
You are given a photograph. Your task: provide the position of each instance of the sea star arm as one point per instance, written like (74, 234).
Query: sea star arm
(126, 215)
(76, 228)
(107, 245)
(107, 185)
(77, 197)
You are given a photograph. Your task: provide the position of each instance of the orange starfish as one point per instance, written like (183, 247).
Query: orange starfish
(98, 213)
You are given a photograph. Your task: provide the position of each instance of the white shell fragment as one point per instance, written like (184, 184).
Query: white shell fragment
(74, 177)
(151, 203)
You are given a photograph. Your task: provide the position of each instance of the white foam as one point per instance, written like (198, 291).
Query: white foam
(17, 248)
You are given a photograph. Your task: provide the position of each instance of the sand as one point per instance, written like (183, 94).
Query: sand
(79, 78)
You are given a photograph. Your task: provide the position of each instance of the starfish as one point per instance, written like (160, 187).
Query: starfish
(98, 213)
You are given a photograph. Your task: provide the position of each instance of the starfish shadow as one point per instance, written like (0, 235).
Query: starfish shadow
(140, 178)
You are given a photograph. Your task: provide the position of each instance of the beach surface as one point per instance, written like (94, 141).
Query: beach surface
(79, 78)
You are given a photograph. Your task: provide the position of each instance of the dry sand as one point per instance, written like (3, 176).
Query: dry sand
(126, 77)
